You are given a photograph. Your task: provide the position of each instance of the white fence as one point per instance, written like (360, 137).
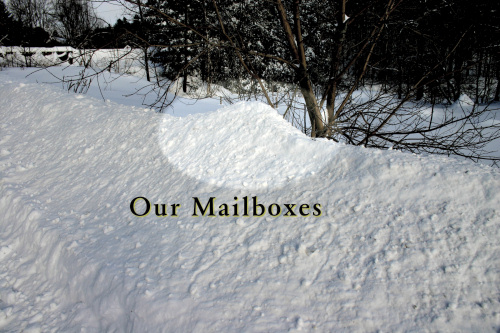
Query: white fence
(126, 60)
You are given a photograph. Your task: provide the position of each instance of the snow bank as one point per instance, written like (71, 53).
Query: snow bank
(404, 242)
(463, 101)
(245, 145)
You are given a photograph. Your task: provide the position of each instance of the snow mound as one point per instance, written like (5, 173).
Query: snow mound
(464, 101)
(246, 145)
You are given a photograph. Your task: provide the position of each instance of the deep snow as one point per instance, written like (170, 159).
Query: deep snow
(404, 242)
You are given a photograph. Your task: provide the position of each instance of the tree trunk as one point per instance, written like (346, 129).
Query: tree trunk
(145, 48)
(417, 73)
(296, 44)
(317, 124)
(458, 77)
(478, 75)
(184, 82)
(146, 63)
(332, 94)
(497, 91)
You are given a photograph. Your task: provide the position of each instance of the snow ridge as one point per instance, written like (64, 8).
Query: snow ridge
(245, 145)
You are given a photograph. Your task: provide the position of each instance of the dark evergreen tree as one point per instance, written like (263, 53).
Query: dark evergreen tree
(15, 33)
(9, 31)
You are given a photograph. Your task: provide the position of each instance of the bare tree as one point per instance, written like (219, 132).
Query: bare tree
(32, 13)
(76, 20)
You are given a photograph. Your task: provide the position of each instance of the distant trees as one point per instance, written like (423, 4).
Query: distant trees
(455, 41)
(41, 22)
(308, 44)
(21, 23)
(31, 13)
(76, 21)
(137, 33)
(7, 25)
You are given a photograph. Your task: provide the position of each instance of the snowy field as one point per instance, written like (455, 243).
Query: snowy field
(381, 240)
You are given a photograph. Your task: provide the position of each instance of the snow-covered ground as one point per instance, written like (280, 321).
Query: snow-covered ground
(403, 242)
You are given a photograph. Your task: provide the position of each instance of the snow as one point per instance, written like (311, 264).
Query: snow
(274, 157)
(465, 101)
(404, 242)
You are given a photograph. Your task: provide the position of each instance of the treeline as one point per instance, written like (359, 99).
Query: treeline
(46, 23)
(457, 42)
(429, 48)
(15, 32)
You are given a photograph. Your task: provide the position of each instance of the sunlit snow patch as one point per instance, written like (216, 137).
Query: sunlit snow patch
(246, 145)
(464, 101)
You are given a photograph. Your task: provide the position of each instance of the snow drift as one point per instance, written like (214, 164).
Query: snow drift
(244, 145)
(404, 242)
